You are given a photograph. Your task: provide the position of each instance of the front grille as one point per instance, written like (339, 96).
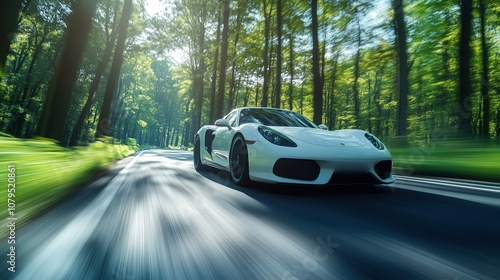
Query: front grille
(384, 169)
(353, 179)
(299, 169)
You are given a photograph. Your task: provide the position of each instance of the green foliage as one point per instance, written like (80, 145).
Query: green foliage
(47, 172)
(455, 159)
(132, 143)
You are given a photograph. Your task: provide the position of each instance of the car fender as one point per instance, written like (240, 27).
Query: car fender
(249, 132)
(251, 135)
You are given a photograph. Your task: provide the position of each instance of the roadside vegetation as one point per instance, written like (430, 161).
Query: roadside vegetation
(455, 159)
(45, 172)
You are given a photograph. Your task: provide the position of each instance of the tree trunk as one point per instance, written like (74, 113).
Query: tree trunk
(199, 75)
(57, 103)
(185, 135)
(333, 81)
(177, 135)
(355, 87)
(448, 77)
(279, 55)
(497, 125)
(213, 87)
(257, 91)
(317, 90)
(376, 99)
(101, 67)
(464, 109)
(301, 104)
(485, 80)
(402, 70)
(322, 70)
(237, 91)
(169, 123)
(223, 61)
(104, 127)
(292, 72)
(232, 93)
(265, 54)
(247, 92)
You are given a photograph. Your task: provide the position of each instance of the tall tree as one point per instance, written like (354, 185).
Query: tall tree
(199, 67)
(213, 85)
(57, 103)
(291, 64)
(265, 51)
(402, 68)
(317, 85)
(239, 20)
(331, 92)
(104, 124)
(100, 68)
(485, 79)
(219, 106)
(355, 83)
(464, 110)
(279, 54)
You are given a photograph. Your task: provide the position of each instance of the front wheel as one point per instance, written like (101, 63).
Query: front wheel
(198, 165)
(238, 161)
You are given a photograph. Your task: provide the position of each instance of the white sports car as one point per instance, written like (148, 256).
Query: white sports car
(281, 146)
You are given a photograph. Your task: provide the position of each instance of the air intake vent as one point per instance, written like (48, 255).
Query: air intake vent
(299, 169)
(384, 169)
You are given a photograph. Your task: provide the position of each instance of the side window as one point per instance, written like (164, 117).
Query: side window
(243, 117)
(232, 119)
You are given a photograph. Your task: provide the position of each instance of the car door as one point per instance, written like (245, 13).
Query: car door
(222, 141)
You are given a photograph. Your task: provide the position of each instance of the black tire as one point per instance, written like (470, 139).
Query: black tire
(198, 165)
(238, 161)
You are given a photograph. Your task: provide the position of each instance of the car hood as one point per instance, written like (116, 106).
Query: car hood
(315, 136)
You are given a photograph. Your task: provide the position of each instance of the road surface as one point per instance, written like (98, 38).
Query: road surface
(154, 217)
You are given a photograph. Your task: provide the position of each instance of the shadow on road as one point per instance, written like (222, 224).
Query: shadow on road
(223, 178)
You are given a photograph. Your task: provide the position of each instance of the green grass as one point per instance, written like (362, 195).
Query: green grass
(46, 172)
(456, 159)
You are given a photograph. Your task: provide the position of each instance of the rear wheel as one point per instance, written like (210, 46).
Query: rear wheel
(198, 165)
(238, 161)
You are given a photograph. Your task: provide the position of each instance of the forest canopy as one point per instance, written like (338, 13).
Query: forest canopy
(156, 71)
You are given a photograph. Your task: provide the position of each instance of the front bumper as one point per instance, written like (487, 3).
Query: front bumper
(335, 165)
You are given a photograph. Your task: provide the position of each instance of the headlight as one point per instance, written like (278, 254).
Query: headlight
(376, 143)
(275, 137)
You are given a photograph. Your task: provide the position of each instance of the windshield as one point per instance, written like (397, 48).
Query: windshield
(274, 117)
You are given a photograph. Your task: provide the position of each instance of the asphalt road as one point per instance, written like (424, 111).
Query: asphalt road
(154, 217)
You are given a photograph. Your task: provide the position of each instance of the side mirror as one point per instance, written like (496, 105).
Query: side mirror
(324, 127)
(222, 123)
